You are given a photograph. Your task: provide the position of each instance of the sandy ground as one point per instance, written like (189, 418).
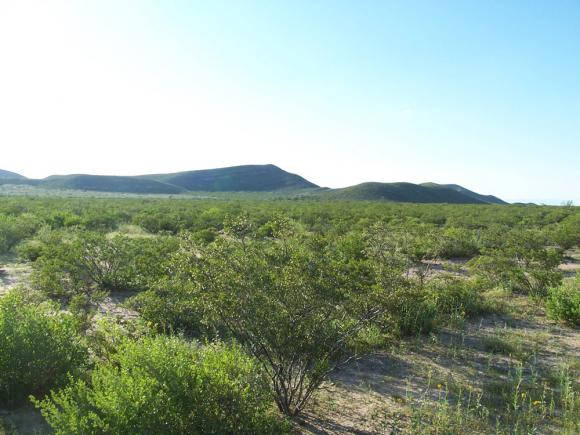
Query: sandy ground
(375, 395)
(12, 273)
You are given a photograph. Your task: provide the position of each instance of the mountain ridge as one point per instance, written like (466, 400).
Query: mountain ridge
(257, 179)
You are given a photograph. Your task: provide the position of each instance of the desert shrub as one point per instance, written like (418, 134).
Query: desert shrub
(166, 385)
(29, 250)
(410, 311)
(14, 229)
(159, 221)
(39, 348)
(295, 302)
(567, 232)
(563, 302)
(458, 242)
(455, 297)
(169, 308)
(82, 262)
(523, 264)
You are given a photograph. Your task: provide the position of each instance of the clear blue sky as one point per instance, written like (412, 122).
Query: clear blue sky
(481, 93)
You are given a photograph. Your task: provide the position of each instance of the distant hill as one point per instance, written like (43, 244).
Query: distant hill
(404, 192)
(259, 181)
(247, 178)
(11, 175)
(109, 183)
(489, 199)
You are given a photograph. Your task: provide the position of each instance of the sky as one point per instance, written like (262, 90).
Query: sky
(485, 94)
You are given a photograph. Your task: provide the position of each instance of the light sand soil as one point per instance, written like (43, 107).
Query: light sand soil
(12, 273)
(375, 395)
(571, 265)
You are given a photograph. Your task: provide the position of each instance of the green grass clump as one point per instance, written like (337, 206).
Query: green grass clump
(519, 404)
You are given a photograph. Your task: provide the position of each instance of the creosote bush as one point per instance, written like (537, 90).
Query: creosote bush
(563, 302)
(39, 348)
(296, 302)
(165, 385)
(86, 263)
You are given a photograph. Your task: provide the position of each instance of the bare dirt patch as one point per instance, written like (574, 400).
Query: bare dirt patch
(571, 265)
(12, 273)
(377, 394)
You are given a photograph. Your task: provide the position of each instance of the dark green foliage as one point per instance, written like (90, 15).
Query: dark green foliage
(165, 385)
(39, 347)
(563, 302)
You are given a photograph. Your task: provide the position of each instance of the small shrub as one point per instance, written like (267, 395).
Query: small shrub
(563, 302)
(410, 312)
(82, 262)
(456, 297)
(169, 308)
(166, 385)
(39, 347)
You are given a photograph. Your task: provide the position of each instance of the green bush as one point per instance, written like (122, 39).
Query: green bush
(458, 242)
(563, 302)
(164, 385)
(14, 229)
(410, 312)
(419, 309)
(82, 262)
(38, 348)
(525, 263)
(455, 297)
(169, 308)
(295, 302)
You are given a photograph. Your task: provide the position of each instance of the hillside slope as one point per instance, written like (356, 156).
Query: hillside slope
(11, 175)
(109, 183)
(490, 199)
(402, 192)
(247, 178)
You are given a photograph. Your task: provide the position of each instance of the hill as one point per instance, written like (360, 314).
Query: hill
(403, 192)
(11, 175)
(256, 180)
(490, 199)
(247, 178)
(109, 183)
